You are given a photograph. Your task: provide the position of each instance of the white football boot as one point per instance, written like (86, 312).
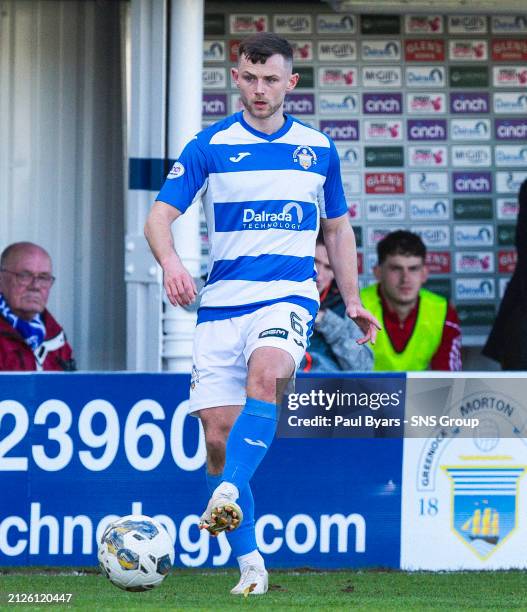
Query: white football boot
(222, 513)
(253, 581)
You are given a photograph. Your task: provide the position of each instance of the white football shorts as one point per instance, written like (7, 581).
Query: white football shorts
(222, 350)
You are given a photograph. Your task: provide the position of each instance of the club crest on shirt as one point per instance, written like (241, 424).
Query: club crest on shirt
(305, 156)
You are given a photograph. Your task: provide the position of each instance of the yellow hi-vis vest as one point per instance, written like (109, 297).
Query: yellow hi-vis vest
(425, 338)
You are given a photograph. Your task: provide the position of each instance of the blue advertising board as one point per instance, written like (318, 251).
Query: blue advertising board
(77, 450)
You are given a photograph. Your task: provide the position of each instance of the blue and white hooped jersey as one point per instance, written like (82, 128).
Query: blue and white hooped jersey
(263, 196)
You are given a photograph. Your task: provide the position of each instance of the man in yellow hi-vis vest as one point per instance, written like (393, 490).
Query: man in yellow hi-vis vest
(420, 328)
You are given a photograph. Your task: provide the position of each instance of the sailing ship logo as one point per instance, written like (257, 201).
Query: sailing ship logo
(484, 505)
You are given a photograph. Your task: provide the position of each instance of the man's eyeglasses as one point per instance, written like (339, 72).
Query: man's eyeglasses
(27, 278)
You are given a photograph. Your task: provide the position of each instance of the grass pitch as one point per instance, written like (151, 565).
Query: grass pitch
(386, 591)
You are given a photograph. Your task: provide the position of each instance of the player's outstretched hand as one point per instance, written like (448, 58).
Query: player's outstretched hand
(365, 320)
(179, 285)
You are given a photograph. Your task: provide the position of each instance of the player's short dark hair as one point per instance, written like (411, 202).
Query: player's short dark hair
(258, 48)
(400, 242)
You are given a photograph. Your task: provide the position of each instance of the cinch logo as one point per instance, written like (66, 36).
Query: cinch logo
(468, 103)
(343, 130)
(426, 130)
(377, 51)
(300, 104)
(511, 130)
(379, 104)
(281, 220)
(214, 106)
(420, 77)
(472, 183)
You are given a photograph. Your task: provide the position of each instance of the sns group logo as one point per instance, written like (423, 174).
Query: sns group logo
(465, 478)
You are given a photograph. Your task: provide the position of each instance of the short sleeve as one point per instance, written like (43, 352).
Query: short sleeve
(187, 179)
(333, 202)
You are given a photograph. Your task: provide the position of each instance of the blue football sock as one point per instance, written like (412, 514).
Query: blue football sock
(249, 441)
(243, 539)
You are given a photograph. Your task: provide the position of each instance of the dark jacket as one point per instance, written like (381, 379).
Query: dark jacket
(333, 346)
(17, 356)
(507, 342)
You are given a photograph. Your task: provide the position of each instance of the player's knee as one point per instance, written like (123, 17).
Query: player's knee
(216, 445)
(262, 388)
(262, 382)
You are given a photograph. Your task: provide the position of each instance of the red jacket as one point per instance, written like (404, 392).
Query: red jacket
(17, 356)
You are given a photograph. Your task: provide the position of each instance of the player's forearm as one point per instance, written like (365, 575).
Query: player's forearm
(159, 237)
(342, 253)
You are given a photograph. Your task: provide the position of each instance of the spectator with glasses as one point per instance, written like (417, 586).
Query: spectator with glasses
(30, 338)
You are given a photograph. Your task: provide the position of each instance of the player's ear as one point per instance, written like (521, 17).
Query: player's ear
(235, 75)
(293, 80)
(377, 272)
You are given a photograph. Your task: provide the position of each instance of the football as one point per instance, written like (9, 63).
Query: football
(135, 553)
